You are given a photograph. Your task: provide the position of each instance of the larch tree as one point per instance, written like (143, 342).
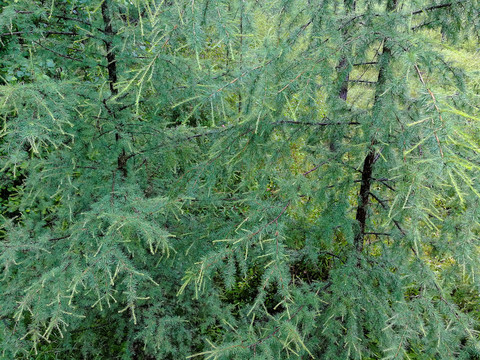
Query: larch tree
(238, 179)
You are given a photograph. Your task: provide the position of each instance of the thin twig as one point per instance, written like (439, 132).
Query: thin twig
(73, 19)
(47, 33)
(306, 123)
(315, 168)
(59, 238)
(57, 53)
(366, 63)
(277, 329)
(434, 104)
(380, 201)
(435, 7)
(382, 181)
(363, 82)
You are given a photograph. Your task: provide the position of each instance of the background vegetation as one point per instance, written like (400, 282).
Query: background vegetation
(229, 179)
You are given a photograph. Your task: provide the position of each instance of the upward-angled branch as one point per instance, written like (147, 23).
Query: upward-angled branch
(434, 104)
(435, 7)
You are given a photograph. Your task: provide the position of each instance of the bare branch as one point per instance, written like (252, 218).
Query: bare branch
(47, 33)
(435, 7)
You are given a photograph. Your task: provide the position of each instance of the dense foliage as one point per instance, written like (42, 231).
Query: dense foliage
(230, 179)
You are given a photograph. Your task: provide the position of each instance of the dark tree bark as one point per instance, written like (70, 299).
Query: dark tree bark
(112, 77)
(367, 170)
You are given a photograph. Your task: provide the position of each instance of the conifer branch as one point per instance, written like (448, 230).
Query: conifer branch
(313, 169)
(23, 12)
(206, 185)
(47, 33)
(332, 255)
(271, 222)
(415, 12)
(254, 234)
(413, 28)
(241, 76)
(434, 104)
(435, 7)
(13, 33)
(395, 222)
(366, 63)
(380, 201)
(63, 17)
(363, 82)
(308, 123)
(57, 53)
(60, 238)
(273, 333)
(384, 183)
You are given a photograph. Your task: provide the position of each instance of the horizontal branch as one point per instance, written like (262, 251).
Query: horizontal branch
(59, 238)
(363, 82)
(366, 63)
(415, 12)
(57, 53)
(306, 123)
(413, 28)
(434, 7)
(73, 19)
(13, 33)
(23, 12)
(178, 140)
(71, 33)
(47, 33)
